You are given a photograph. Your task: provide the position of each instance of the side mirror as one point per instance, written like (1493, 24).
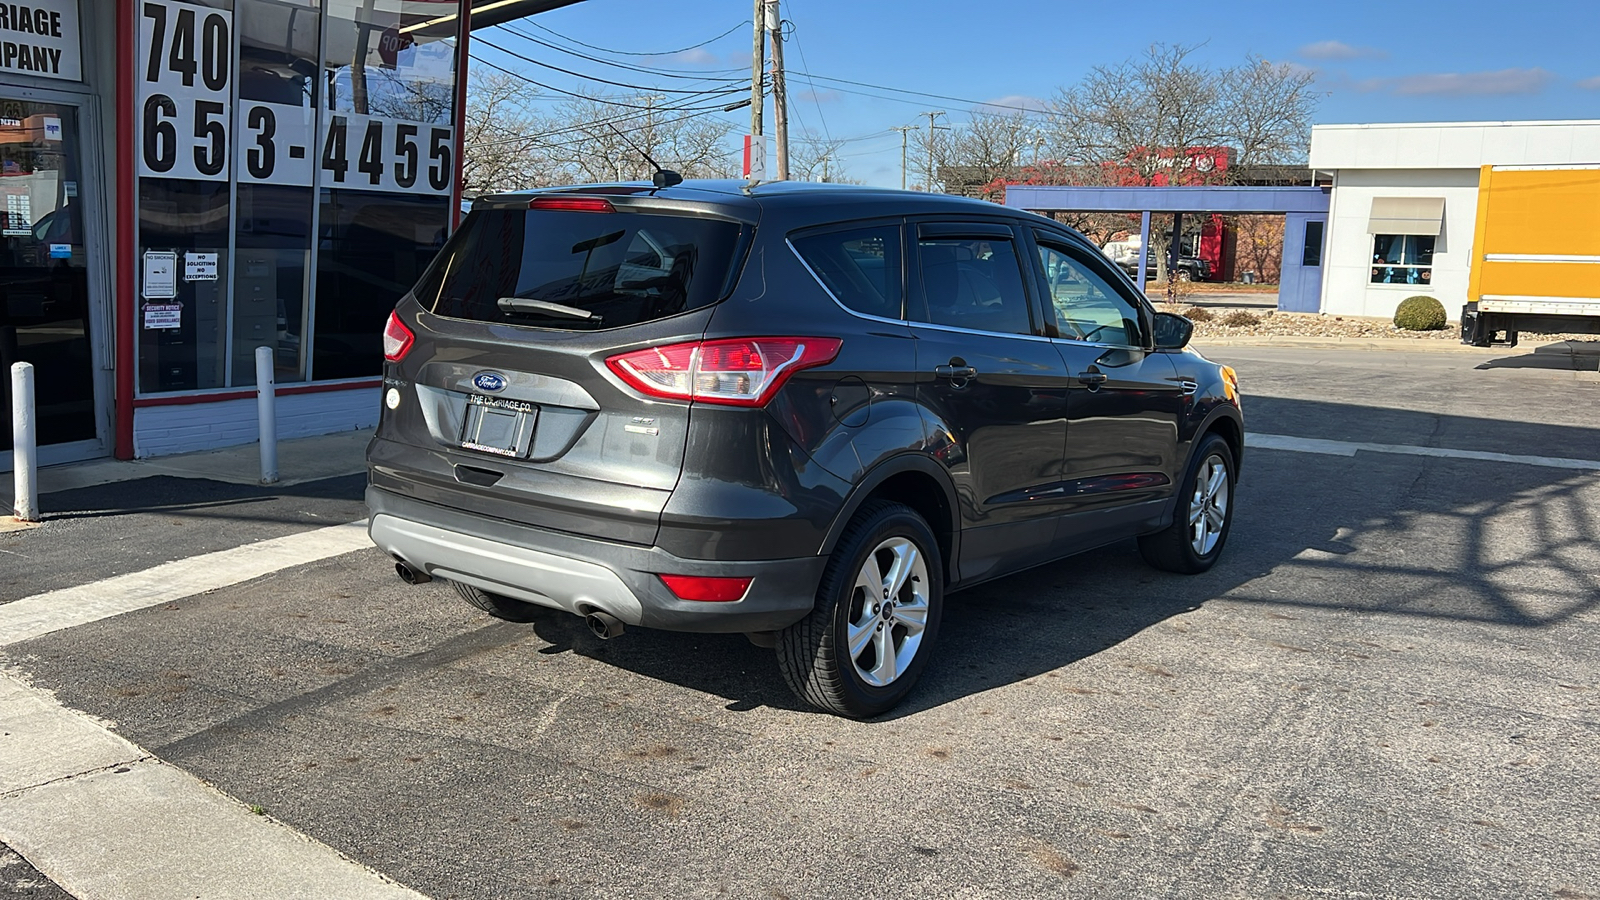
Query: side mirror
(1172, 331)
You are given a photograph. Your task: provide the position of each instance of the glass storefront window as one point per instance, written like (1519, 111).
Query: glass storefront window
(372, 248)
(385, 168)
(278, 64)
(296, 162)
(1402, 259)
(392, 58)
(44, 287)
(182, 330)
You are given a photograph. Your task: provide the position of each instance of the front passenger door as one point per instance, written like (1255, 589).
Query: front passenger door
(994, 387)
(1123, 407)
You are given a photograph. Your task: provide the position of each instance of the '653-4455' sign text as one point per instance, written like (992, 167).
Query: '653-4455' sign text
(192, 124)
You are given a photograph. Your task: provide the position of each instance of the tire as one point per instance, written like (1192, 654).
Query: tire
(496, 605)
(1193, 542)
(1183, 275)
(814, 654)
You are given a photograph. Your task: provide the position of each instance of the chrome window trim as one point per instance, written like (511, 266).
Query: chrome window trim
(836, 301)
(907, 322)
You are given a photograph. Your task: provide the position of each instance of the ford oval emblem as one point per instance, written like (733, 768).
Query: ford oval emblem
(489, 382)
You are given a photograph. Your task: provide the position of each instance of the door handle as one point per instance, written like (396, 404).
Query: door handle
(955, 373)
(1092, 380)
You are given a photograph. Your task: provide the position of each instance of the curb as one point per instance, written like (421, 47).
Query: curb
(1425, 345)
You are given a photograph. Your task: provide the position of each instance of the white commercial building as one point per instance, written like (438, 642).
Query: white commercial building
(1404, 216)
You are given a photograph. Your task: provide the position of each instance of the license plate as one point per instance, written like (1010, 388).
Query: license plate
(499, 426)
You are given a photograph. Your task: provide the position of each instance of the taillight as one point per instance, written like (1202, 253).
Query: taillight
(706, 588)
(397, 339)
(733, 372)
(573, 204)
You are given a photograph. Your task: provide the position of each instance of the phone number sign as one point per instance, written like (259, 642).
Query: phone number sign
(192, 127)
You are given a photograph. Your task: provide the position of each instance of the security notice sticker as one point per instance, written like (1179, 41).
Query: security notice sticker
(160, 274)
(200, 267)
(163, 315)
(18, 215)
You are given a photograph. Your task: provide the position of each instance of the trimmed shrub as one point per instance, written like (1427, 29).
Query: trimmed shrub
(1198, 314)
(1419, 313)
(1240, 318)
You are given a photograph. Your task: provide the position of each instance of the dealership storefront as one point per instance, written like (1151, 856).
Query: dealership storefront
(187, 180)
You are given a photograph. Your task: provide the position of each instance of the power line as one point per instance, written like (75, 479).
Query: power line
(815, 101)
(882, 87)
(706, 75)
(623, 84)
(637, 53)
(644, 112)
(549, 87)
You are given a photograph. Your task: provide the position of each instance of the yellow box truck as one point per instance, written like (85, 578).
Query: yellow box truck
(1536, 254)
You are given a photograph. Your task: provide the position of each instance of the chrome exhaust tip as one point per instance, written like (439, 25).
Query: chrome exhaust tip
(604, 625)
(410, 575)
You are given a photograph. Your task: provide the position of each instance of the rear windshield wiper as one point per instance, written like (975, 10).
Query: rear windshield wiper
(530, 305)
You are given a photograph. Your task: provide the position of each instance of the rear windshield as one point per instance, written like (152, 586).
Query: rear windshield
(579, 271)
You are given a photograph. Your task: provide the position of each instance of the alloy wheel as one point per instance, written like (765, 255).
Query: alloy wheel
(888, 612)
(1208, 508)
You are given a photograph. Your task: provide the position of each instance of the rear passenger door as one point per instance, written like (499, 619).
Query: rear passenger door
(993, 385)
(1125, 401)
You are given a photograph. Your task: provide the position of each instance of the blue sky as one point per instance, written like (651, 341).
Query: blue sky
(1375, 61)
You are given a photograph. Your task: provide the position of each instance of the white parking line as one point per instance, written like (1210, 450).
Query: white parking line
(1351, 448)
(42, 614)
(105, 820)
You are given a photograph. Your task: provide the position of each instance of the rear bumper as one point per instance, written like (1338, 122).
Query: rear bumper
(583, 575)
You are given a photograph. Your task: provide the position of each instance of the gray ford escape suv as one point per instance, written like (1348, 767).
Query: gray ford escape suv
(805, 413)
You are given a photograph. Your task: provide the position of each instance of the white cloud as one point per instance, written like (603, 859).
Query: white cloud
(1340, 50)
(1590, 84)
(1499, 83)
(698, 56)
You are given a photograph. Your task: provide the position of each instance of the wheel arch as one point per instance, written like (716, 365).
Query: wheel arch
(1230, 428)
(918, 482)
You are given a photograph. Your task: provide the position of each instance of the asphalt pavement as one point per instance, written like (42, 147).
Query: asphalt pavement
(1390, 686)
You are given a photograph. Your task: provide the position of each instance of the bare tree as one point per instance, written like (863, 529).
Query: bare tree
(502, 136)
(812, 158)
(1268, 109)
(987, 149)
(1162, 118)
(594, 138)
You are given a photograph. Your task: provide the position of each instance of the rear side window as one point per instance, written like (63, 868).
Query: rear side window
(579, 271)
(974, 284)
(860, 266)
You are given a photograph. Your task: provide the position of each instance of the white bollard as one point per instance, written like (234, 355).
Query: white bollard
(267, 414)
(24, 459)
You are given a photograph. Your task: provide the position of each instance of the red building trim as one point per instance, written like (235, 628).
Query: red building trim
(125, 363)
(464, 27)
(291, 390)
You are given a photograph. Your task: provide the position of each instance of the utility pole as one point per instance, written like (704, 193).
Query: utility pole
(780, 92)
(904, 131)
(758, 99)
(931, 127)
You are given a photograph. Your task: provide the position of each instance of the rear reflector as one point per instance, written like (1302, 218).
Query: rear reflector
(733, 372)
(573, 204)
(397, 339)
(706, 588)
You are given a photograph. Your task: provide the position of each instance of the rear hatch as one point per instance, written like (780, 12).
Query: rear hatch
(508, 408)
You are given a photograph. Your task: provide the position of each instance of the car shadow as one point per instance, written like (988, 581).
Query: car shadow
(1338, 525)
(1562, 356)
(199, 497)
